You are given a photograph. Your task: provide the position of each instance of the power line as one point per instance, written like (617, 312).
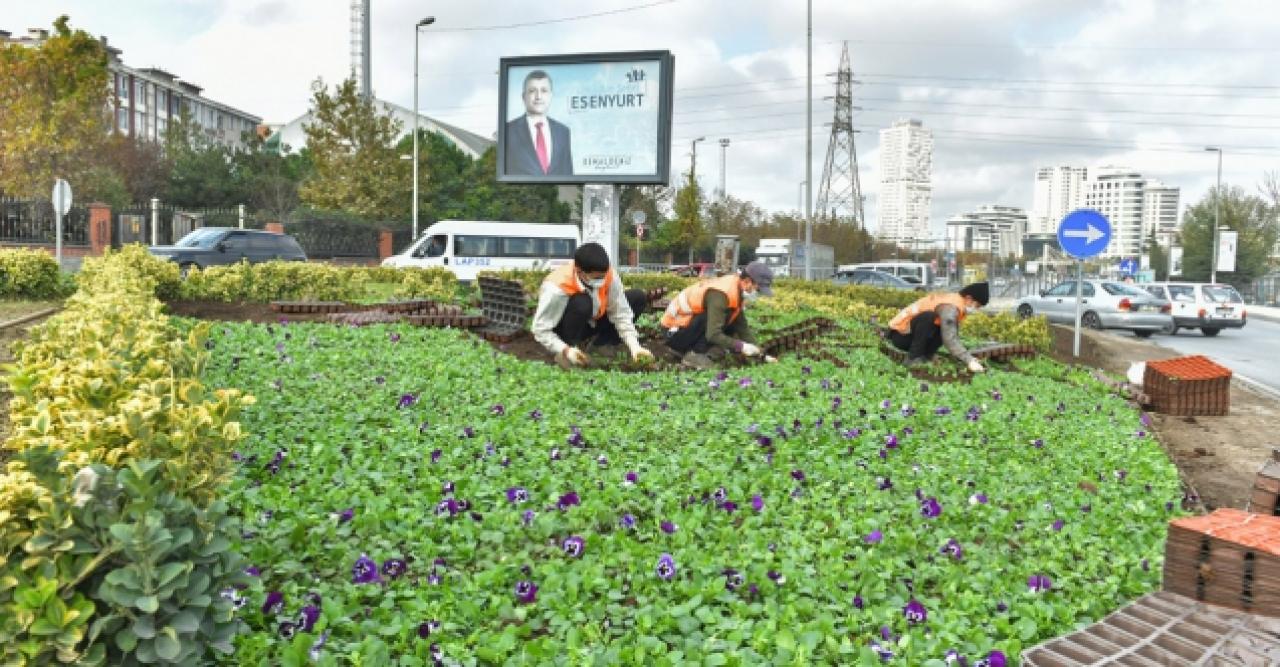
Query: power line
(1073, 91)
(565, 19)
(1135, 84)
(1049, 47)
(1161, 123)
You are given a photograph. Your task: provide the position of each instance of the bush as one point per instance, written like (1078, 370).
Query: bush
(412, 283)
(30, 274)
(113, 547)
(132, 263)
(273, 281)
(1008, 328)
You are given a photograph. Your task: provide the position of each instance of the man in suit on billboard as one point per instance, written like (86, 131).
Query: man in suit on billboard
(536, 145)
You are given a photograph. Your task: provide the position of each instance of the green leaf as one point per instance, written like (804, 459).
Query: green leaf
(144, 627)
(126, 640)
(148, 604)
(167, 645)
(185, 622)
(171, 571)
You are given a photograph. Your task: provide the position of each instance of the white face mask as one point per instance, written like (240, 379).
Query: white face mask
(750, 297)
(594, 284)
(970, 309)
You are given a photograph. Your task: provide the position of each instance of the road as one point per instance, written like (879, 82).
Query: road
(1253, 351)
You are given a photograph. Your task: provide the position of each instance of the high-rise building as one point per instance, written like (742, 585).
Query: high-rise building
(989, 228)
(1119, 193)
(1058, 191)
(144, 102)
(361, 54)
(906, 163)
(1160, 212)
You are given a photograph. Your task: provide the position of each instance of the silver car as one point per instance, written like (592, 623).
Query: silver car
(1105, 305)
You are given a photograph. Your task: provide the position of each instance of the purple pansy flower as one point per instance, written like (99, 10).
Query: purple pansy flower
(884, 483)
(406, 400)
(630, 478)
(535, 416)
(573, 546)
(1057, 525)
(733, 579)
(527, 517)
(446, 487)
(526, 591)
(669, 527)
(764, 441)
(274, 603)
(287, 630)
(890, 441)
(627, 521)
(555, 453)
(468, 432)
(517, 495)
(993, 659)
(929, 508)
(874, 537)
(978, 499)
(915, 612)
(365, 571)
(253, 571)
(318, 645)
(447, 507)
(568, 500)
(952, 548)
(729, 506)
(602, 461)
(394, 337)
(666, 567)
(346, 515)
(744, 382)
(757, 502)
(776, 577)
(393, 567)
(435, 455)
(1038, 443)
(498, 409)
(857, 602)
(797, 475)
(427, 627)
(885, 654)
(307, 617)
(1039, 583)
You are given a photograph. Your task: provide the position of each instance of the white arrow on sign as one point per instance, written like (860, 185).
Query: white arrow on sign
(1089, 234)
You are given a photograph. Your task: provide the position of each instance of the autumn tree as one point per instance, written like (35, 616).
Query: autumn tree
(55, 114)
(1249, 215)
(356, 167)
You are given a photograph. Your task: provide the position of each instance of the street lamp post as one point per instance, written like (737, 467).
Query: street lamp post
(693, 166)
(724, 148)
(1217, 216)
(416, 30)
(808, 148)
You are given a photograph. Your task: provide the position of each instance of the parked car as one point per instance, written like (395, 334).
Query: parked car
(1106, 304)
(870, 278)
(212, 246)
(1207, 307)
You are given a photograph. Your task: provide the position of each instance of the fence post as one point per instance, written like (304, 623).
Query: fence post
(155, 221)
(275, 227)
(99, 227)
(241, 207)
(384, 244)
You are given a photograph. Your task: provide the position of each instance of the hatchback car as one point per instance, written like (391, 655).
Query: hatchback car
(211, 246)
(1207, 307)
(1105, 305)
(870, 278)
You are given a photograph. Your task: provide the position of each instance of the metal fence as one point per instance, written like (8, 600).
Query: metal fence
(32, 221)
(1264, 291)
(132, 224)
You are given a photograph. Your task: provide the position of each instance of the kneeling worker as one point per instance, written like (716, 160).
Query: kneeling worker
(933, 321)
(710, 313)
(584, 302)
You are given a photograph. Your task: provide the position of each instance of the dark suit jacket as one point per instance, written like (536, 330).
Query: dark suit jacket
(522, 154)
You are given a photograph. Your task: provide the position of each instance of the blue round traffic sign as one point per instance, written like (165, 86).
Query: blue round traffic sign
(1084, 233)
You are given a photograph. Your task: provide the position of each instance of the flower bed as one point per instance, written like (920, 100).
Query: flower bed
(413, 493)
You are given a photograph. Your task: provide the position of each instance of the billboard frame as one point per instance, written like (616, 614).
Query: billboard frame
(666, 87)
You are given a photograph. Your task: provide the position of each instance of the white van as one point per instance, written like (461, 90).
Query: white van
(1207, 307)
(467, 247)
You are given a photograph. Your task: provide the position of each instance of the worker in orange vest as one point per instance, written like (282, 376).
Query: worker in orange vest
(584, 302)
(708, 316)
(933, 321)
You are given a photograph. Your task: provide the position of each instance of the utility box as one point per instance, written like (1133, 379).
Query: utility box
(727, 247)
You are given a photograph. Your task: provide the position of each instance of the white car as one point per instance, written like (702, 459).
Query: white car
(1105, 304)
(1207, 307)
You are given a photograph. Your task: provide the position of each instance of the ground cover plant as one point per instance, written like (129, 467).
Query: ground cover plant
(414, 496)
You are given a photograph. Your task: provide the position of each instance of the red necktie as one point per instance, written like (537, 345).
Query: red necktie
(541, 146)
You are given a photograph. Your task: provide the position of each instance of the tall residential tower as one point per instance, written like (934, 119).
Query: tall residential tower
(906, 194)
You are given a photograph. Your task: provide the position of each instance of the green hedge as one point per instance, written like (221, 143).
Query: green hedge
(31, 274)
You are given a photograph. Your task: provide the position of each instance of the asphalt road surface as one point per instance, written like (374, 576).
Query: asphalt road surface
(1253, 351)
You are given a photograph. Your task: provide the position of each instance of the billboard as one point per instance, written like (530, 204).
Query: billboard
(585, 118)
(1226, 251)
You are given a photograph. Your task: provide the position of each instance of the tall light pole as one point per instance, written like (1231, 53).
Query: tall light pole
(799, 208)
(808, 155)
(1217, 216)
(416, 29)
(693, 166)
(724, 148)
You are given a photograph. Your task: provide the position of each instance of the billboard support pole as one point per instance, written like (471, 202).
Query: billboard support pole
(600, 218)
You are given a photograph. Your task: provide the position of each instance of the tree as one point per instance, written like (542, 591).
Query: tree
(201, 173)
(352, 146)
(688, 221)
(1158, 257)
(445, 174)
(54, 101)
(143, 167)
(267, 179)
(487, 199)
(1248, 215)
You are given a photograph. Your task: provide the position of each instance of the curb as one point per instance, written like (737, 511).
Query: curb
(1250, 384)
(1265, 317)
(27, 318)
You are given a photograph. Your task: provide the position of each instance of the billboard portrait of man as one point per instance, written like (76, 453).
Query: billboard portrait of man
(536, 145)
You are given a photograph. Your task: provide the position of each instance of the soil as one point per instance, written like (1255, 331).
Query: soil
(1218, 456)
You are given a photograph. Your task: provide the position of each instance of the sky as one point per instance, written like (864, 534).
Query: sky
(1005, 85)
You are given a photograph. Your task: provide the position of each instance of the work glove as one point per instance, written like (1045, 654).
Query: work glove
(575, 356)
(975, 366)
(770, 360)
(750, 350)
(639, 353)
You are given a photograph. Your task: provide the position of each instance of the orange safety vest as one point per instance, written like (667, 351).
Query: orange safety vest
(902, 321)
(567, 281)
(689, 303)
